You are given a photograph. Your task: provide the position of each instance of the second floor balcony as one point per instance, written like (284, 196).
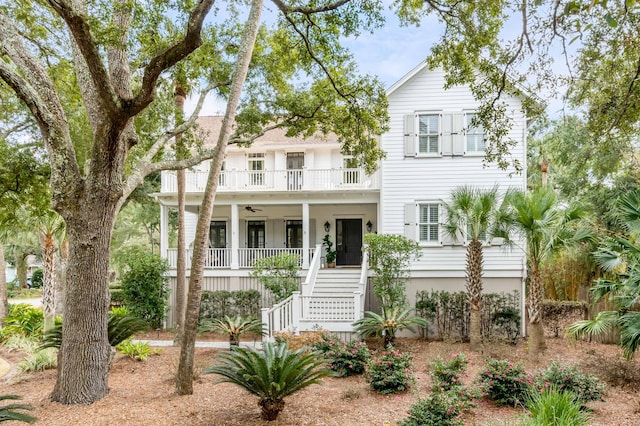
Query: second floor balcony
(277, 180)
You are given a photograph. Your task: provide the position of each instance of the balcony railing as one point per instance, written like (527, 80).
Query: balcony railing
(276, 180)
(220, 258)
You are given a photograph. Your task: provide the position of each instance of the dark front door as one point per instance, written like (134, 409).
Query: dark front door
(349, 241)
(294, 233)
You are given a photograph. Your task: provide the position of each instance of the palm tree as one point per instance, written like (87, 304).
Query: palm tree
(620, 256)
(546, 226)
(476, 214)
(386, 325)
(271, 373)
(50, 226)
(234, 327)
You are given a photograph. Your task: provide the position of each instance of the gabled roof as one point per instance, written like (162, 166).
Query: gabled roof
(408, 76)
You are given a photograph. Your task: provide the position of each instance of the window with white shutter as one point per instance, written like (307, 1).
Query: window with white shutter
(428, 223)
(428, 134)
(474, 135)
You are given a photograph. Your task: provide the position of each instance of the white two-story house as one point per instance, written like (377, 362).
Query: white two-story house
(285, 194)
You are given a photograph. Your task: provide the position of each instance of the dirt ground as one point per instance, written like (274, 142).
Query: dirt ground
(142, 393)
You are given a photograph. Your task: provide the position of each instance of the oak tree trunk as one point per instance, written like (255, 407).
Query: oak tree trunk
(85, 351)
(61, 277)
(22, 269)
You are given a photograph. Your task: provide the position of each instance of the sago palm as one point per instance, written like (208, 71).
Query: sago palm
(392, 320)
(476, 214)
(620, 256)
(546, 225)
(15, 411)
(271, 373)
(233, 327)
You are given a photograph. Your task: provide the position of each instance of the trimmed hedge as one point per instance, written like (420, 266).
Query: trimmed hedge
(240, 303)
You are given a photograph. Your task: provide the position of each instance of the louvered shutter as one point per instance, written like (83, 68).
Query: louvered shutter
(409, 136)
(457, 134)
(446, 137)
(410, 221)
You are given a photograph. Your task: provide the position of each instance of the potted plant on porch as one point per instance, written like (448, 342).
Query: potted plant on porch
(330, 254)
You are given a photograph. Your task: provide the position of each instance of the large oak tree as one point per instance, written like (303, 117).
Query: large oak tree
(104, 130)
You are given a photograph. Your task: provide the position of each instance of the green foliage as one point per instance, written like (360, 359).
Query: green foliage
(390, 372)
(448, 313)
(36, 278)
(279, 274)
(347, 359)
(271, 373)
(330, 253)
(233, 327)
(505, 382)
(121, 325)
(447, 376)
(555, 407)
(24, 320)
(139, 351)
(39, 360)
(389, 258)
(144, 286)
(386, 325)
(438, 409)
(14, 412)
(221, 303)
(568, 378)
(18, 342)
(620, 258)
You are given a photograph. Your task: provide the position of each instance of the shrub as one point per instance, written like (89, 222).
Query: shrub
(144, 286)
(139, 351)
(388, 323)
(14, 411)
(22, 319)
(348, 359)
(221, 303)
(20, 343)
(391, 372)
(278, 274)
(438, 409)
(39, 361)
(565, 378)
(554, 407)
(36, 278)
(233, 327)
(271, 373)
(447, 376)
(505, 382)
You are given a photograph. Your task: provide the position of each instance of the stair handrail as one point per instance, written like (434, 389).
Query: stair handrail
(362, 284)
(284, 315)
(312, 274)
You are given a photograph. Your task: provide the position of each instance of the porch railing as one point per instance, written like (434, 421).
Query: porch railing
(220, 258)
(276, 180)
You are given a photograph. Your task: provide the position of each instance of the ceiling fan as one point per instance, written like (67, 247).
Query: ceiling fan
(252, 210)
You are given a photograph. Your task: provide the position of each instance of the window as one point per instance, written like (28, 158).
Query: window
(428, 133)
(474, 134)
(256, 169)
(428, 223)
(294, 233)
(255, 234)
(222, 178)
(218, 233)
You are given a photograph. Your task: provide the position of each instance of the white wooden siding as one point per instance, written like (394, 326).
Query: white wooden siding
(409, 179)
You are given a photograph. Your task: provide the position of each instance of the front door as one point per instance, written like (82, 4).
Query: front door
(255, 234)
(295, 163)
(349, 241)
(294, 233)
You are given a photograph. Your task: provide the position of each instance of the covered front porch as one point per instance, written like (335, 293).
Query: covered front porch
(242, 232)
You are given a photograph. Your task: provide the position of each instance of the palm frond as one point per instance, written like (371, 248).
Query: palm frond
(630, 333)
(602, 323)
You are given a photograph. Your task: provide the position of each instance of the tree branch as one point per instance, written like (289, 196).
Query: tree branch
(170, 56)
(81, 32)
(18, 127)
(308, 10)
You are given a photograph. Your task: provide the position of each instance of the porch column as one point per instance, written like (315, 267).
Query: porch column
(164, 230)
(235, 236)
(305, 235)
